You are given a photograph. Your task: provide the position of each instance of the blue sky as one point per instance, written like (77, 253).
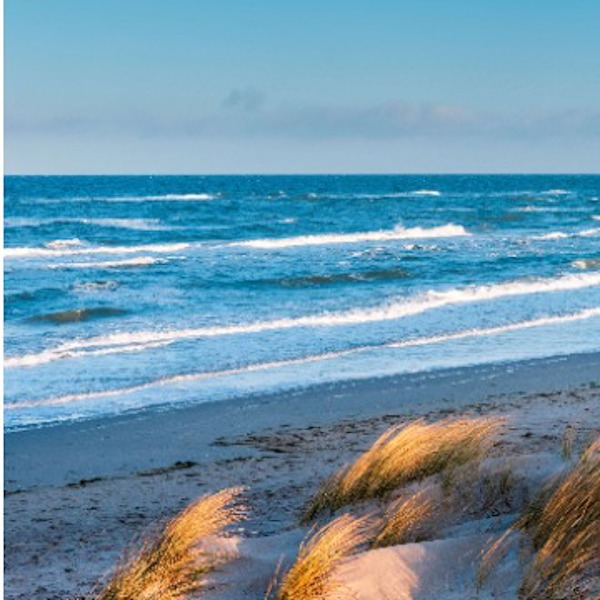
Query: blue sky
(191, 86)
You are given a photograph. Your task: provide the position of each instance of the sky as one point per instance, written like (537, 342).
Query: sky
(329, 86)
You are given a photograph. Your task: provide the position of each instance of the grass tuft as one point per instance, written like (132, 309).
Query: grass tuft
(493, 554)
(313, 574)
(401, 455)
(172, 564)
(404, 520)
(568, 441)
(566, 535)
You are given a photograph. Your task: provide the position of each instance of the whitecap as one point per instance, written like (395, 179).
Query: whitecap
(554, 235)
(558, 235)
(587, 263)
(37, 252)
(257, 367)
(59, 244)
(391, 310)
(426, 193)
(140, 261)
(398, 233)
(557, 192)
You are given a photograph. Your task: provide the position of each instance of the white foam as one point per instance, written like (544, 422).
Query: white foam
(50, 252)
(586, 263)
(390, 311)
(91, 287)
(163, 198)
(557, 192)
(558, 235)
(177, 379)
(10, 222)
(426, 193)
(139, 261)
(554, 235)
(589, 232)
(398, 233)
(59, 244)
(136, 224)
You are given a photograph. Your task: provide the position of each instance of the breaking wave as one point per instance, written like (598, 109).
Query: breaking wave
(398, 233)
(177, 379)
(140, 261)
(66, 248)
(115, 342)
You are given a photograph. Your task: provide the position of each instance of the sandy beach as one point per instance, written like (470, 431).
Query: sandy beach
(77, 494)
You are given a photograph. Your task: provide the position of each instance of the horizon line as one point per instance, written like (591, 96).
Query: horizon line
(324, 174)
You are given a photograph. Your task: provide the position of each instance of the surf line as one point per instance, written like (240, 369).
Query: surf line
(175, 379)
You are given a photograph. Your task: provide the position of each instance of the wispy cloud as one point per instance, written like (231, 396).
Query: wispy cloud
(248, 99)
(244, 113)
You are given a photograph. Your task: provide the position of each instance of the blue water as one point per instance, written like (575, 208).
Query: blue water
(127, 292)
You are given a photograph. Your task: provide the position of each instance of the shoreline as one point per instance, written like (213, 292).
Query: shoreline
(78, 494)
(171, 426)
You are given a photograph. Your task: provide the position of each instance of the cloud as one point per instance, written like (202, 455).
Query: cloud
(244, 115)
(247, 99)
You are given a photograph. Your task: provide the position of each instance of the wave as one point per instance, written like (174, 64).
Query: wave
(393, 310)
(157, 198)
(188, 377)
(135, 224)
(557, 192)
(19, 222)
(59, 244)
(589, 232)
(57, 248)
(587, 263)
(79, 314)
(398, 233)
(426, 193)
(161, 198)
(340, 278)
(559, 235)
(554, 235)
(92, 287)
(140, 261)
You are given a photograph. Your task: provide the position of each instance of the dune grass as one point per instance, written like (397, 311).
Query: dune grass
(313, 574)
(401, 455)
(568, 441)
(171, 564)
(493, 554)
(566, 535)
(405, 520)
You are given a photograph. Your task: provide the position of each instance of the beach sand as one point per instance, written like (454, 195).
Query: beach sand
(77, 494)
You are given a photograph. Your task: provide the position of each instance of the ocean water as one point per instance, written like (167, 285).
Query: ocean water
(128, 292)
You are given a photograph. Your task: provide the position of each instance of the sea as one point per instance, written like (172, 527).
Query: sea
(126, 293)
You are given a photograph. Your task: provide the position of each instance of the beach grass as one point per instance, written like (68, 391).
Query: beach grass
(171, 564)
(405, 520)
(404, 454)
(313, 574)
(566, 535)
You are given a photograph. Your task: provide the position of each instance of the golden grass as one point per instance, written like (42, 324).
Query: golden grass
(313, 574)
(404, 454)
(566, 534)
(568, 441)
(493, 554)
(404, 520)
(171, 564)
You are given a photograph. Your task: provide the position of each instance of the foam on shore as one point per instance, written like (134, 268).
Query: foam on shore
(113, 343)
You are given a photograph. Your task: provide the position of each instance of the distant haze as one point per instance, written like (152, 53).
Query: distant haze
(309, 87)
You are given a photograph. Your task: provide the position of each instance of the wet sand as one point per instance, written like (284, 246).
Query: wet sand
(77, 494)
